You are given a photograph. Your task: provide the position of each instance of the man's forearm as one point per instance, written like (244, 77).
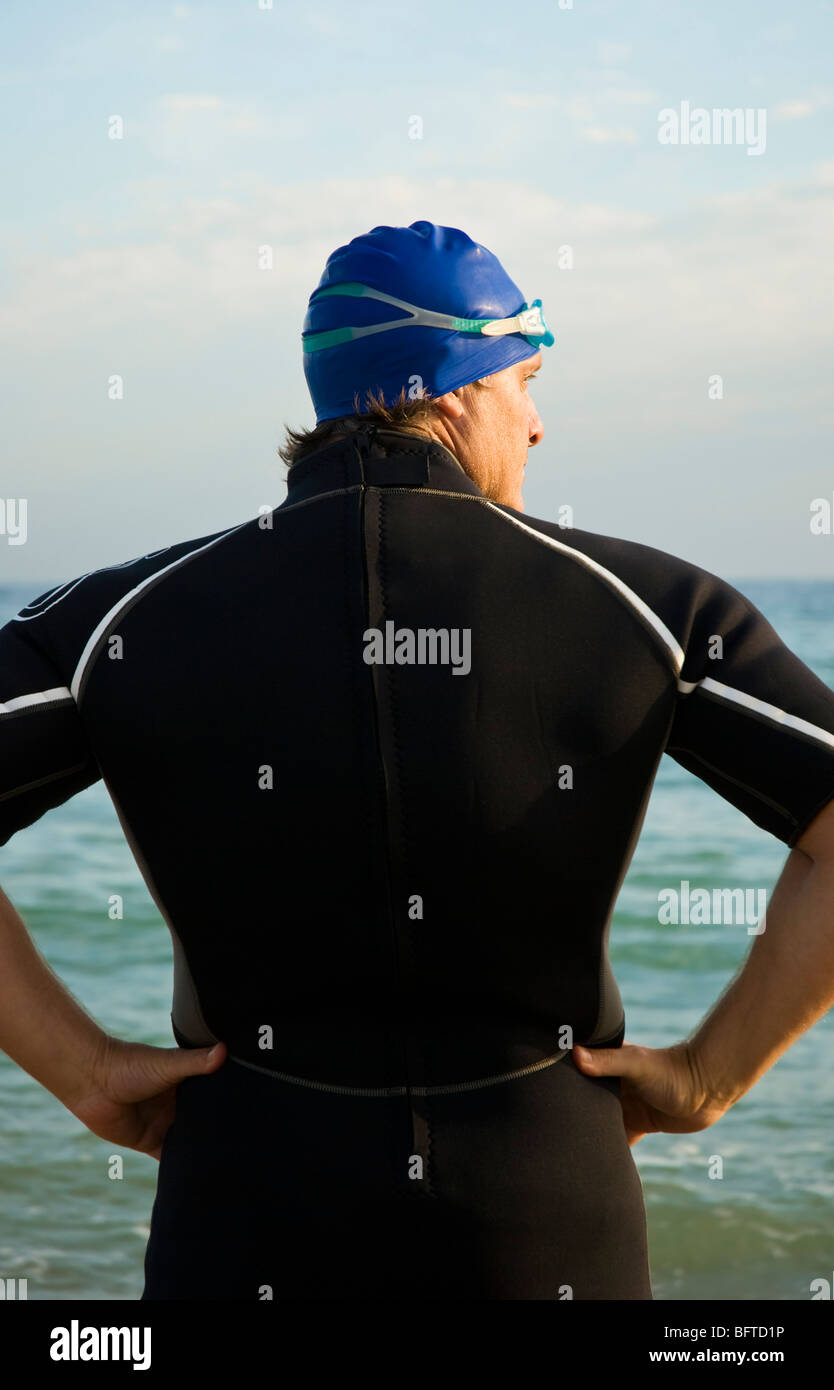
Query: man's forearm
(784, 986)
(42, 1027)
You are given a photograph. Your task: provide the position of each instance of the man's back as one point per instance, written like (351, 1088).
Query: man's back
(383, 756)
(389, 747)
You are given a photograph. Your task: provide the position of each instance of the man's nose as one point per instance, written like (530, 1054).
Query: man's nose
(536, 427)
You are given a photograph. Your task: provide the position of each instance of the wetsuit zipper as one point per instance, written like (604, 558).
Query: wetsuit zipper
(415, 1120)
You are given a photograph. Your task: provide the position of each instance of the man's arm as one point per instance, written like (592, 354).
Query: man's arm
(42, 1027)
(787, 980)
(124, 1092)
(784, 986)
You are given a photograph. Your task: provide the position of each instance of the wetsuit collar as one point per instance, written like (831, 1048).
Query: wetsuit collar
(378, 457)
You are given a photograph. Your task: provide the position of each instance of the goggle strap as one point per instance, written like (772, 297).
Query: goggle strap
(529, 321)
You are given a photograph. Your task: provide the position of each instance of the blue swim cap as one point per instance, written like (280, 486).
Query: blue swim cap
(423, 267)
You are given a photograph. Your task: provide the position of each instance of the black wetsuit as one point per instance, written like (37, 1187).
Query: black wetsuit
(389, 882)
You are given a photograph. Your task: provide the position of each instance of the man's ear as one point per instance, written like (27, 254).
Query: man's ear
(449, 405)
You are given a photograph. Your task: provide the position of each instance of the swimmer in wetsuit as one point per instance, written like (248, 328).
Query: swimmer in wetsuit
(383, 756)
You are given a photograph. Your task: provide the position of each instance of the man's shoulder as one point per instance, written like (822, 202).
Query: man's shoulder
(618, 555)
(62, 620)
(88, 592)
(680, 593)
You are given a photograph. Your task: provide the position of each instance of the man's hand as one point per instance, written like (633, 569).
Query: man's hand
(662, 1089)
(132, 1099)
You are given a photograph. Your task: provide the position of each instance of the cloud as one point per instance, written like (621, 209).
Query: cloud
(601, 135)
(194, 127)
(192, 101)
(610, 54)
(631, 97)
(330, 25)
(778, 33)
(792, 110)
(740, 285)
(200, 130)
(801, 109)
(209, 345)
(529, 101)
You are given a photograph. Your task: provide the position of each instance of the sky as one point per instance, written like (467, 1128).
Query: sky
(687, 402)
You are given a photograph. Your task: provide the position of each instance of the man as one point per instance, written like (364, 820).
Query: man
(383, 757)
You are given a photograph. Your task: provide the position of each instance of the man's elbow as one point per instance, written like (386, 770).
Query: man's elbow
(817, 839)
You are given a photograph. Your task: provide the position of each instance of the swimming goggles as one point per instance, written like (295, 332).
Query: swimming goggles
(529, 321)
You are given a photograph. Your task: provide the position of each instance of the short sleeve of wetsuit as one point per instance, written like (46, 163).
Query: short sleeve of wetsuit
(752, 721)
(45, 757)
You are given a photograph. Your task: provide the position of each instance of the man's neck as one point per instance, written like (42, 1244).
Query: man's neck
(354, 423)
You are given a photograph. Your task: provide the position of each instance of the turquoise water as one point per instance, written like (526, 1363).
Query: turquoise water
(763, 1230)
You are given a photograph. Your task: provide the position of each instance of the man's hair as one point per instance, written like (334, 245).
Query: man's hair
(409, 415)
(412, 416)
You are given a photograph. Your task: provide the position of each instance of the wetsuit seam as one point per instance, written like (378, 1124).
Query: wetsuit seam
(44, 781)
(37, 706)
(375, 784)
(129, 601)
(406, 994)
(382, 788)
(767, 720)
(579, 557)
(386, 677)
(725, 776)
(146, 586)
(176, 940)
(608, 1041)
(287, 506)
(393, 1092)
(400, 831)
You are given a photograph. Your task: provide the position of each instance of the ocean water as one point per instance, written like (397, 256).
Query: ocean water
(764, 1230)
